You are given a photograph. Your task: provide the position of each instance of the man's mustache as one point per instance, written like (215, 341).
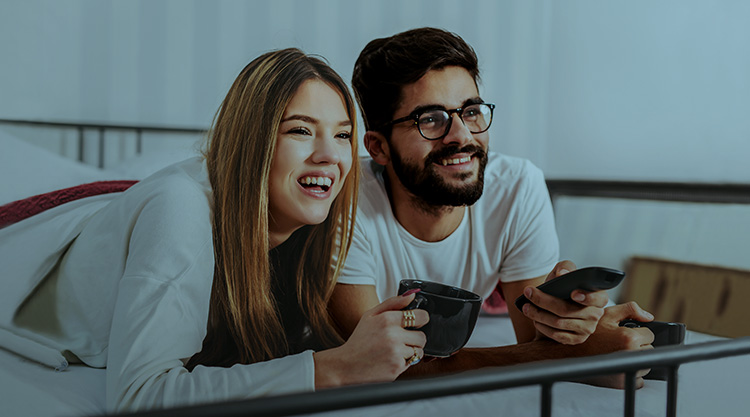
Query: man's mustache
(447, 152)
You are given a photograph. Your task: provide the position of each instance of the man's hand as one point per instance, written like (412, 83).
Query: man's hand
(566, 322)
(610, 337)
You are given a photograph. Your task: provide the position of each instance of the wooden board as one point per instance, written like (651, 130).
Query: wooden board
(708, 299)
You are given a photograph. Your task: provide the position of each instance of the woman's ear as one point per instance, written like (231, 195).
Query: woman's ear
(377, 147)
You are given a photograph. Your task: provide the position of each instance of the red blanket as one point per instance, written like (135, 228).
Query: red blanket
(495, 303)
(21, 209)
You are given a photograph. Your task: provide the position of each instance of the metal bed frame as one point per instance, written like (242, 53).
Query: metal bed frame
(545, 374)
(102, 128)
(661, 191)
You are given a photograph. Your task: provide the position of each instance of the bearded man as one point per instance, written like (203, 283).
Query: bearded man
(436, 204)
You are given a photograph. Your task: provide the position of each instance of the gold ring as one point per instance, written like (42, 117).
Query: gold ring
(414, 359)
(409, 318)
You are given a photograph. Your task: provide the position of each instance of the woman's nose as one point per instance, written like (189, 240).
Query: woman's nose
(325, 151)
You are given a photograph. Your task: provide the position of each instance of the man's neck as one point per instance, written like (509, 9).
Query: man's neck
(425, 222)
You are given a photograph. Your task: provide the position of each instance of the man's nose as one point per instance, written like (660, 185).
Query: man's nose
(458, 134)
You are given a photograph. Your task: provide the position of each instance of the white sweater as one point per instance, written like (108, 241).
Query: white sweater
(130, 293)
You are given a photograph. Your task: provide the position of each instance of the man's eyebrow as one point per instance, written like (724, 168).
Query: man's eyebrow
(427, 107)
(473, 100)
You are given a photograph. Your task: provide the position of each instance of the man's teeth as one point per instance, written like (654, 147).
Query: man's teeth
(316, 181)
(455, 161)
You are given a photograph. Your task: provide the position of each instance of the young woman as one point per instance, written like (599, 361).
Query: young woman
(210, 279)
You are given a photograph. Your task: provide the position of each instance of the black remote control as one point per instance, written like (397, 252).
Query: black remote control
(665, 334)
(594, 278)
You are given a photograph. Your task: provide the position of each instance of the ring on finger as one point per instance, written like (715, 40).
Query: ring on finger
(413, 359)
(409, 319)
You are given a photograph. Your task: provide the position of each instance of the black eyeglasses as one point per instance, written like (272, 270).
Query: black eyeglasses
(435, 124)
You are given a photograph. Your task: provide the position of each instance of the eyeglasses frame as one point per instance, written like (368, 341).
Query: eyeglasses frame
(415, 118)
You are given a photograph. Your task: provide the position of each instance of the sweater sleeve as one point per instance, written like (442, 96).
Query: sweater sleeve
(161, 313)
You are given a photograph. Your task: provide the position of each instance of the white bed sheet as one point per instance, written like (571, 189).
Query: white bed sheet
(717, 387)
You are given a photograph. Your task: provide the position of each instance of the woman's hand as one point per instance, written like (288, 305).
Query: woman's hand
(378, 350)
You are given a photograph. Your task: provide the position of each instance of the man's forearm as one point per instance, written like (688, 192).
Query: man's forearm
(475, 358)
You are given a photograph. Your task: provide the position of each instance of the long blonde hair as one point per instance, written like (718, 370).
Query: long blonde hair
(244, 319)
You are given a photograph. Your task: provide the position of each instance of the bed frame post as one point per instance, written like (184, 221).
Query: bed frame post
(672, 391)
(630, 394)
(546, 405)
(101, 147)
(80, 144)
(138, 141)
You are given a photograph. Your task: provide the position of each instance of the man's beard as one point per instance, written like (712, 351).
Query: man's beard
(428, 186)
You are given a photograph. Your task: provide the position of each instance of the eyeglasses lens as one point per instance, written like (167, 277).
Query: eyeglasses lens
(435, 123)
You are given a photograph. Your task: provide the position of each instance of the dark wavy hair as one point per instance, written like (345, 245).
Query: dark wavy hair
(386, 65)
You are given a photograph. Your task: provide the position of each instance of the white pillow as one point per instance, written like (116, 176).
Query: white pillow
(141, 166)
(27, 170)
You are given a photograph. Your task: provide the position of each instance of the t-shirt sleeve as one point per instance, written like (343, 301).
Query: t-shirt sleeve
(161, 313)
(534, 247)
(359, 268)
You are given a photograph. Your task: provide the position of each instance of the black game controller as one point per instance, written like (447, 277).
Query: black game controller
(594, 278)
(665, 334)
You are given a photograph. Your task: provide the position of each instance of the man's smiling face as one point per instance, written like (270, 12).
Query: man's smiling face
(447, 171)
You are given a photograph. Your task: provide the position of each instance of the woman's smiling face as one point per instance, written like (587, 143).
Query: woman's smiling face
(313, 157)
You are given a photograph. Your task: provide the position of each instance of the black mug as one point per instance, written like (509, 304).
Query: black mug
(453, 314)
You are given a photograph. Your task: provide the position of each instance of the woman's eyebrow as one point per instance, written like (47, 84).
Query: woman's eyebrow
(312, 120)
(301, 117)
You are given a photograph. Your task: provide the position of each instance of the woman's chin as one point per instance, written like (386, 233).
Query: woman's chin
(311, 219)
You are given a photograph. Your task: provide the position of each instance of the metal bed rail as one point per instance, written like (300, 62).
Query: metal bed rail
(728, 193)
(543, 373)
(102, 128)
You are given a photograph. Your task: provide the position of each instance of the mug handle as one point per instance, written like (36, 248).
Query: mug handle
(419, 301)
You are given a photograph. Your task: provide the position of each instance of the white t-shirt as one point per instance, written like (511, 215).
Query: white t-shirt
(508, 235)
(131, 293)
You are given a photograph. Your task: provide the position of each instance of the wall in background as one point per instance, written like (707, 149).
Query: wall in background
(649, 90)
(171, 62)
(590, 89)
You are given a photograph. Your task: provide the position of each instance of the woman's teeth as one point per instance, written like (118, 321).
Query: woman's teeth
(322, 181)
(455, 161)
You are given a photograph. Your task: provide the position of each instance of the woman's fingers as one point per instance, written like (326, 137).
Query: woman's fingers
(387, 340)
(404, 322)
(413, 355)
(394, 303)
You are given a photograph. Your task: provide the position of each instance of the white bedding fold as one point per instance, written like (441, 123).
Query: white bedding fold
(49, 233)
